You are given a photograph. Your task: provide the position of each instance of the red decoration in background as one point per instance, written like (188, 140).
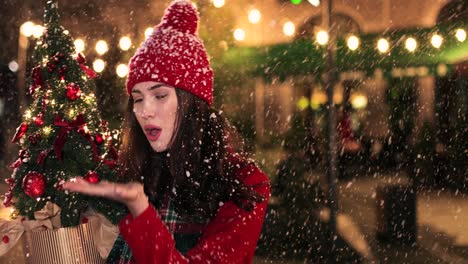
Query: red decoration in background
(42, 156)
(35, 138)
(81, 60)
(38, 120)
(22, 155)
(99, 139)
(66, 127)
(37, 80)
(84, 220)
(62, 72)
(92, 177)
(9, 194)
(34, 184)
(73, 91)
(20, 131)
(8, 197)
(51, 66)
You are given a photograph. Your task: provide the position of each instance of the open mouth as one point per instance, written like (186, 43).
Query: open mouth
(152, 132)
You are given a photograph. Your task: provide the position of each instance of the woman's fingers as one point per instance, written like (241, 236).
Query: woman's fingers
(116, 191)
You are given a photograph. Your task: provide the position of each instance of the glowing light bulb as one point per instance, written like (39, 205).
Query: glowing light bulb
(254, 16)
(122, 70)
(101, 47)
(125, 43)
(79, 45)
(148, 32)
(460, 34)
(353, 42)
(322, 37)
(239, 34)
(436, 41)
(289, 28)
(218, 3)
(411, 44)
(382, 45)
(99, 65)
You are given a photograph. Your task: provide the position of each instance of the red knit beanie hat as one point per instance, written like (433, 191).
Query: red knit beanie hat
(174, 54)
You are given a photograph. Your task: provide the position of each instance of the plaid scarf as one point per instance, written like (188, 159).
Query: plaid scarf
(185, 235)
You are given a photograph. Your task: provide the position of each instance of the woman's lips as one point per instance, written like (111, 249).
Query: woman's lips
(152, 132)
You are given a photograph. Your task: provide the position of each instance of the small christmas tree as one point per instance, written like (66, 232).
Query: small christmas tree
(61, 135)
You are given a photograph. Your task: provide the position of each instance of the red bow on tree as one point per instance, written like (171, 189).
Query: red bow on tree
(81, 60)
(66, 128)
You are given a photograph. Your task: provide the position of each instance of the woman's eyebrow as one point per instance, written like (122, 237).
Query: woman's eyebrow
(157, 86)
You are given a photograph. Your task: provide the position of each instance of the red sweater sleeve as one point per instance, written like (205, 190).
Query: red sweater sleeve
(230, 237)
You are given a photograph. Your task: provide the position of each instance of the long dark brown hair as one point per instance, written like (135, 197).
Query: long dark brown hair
(198, 171)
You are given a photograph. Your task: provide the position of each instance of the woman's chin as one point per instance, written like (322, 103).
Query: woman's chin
(157, 147)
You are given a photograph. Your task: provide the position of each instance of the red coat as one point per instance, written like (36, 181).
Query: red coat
(230, 237)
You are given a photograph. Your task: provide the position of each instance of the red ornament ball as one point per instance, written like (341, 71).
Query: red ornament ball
(34, 184)
(92, 177)
(38, 120)
(99, 139)
(5, 239)
(73, 91)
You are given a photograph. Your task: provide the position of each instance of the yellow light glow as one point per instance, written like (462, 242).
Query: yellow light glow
(302, 103)
(38, 30)
(322, 37)
(318, 98)
(353, 42)
(254, 16)
(27, 29)
(27, 114)
(52, 102)
(122, 70)
(71, 114)
(382, 45)
(239, 34)
(411, 44)
(99, 65)
(314, 2)
(79, 45)
(148, 32)
(101, 47)
(218, 3)
(460, 34)
(436, 41)
(125, 43)
(289, 28)
(358, 101)
(46, 130)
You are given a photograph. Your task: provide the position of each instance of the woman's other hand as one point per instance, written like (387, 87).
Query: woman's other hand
(131, 194)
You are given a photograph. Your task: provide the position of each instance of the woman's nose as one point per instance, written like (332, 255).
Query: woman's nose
(148, 111)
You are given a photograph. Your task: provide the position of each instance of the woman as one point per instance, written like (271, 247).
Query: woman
(192, 198)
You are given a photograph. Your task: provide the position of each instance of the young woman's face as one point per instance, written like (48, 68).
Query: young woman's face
(155, 108)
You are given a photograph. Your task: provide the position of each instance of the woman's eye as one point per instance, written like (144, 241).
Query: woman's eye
(161, 96)
(137, 100)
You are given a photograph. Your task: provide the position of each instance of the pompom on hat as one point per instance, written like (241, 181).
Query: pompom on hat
(174, 54)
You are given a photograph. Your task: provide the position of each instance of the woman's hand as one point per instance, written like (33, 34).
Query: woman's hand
(130, 194)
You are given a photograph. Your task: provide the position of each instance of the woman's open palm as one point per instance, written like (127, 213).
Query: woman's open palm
(131, 194)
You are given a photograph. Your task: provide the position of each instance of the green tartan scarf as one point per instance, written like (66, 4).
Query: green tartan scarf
(184, 241)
